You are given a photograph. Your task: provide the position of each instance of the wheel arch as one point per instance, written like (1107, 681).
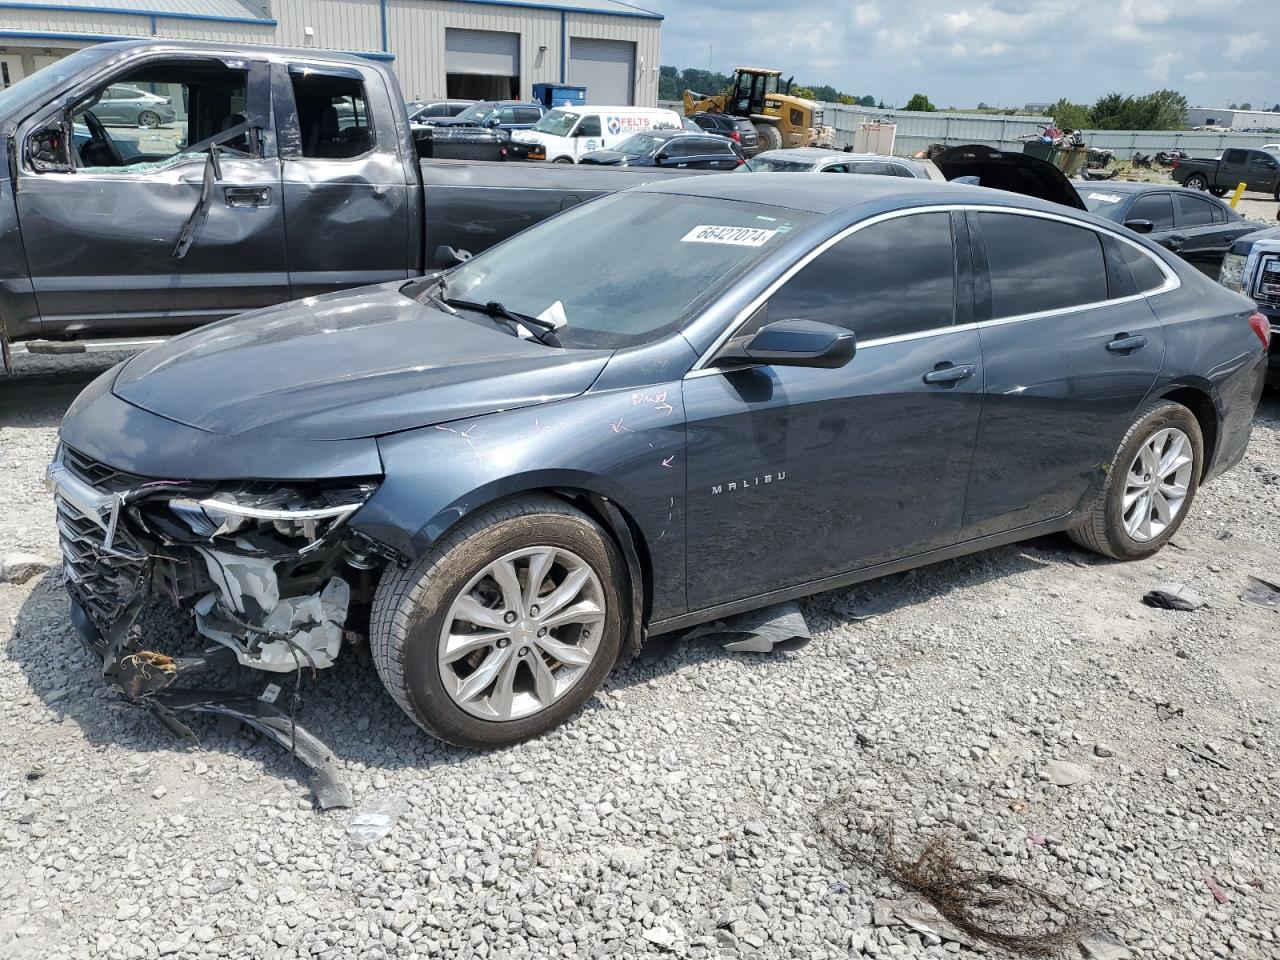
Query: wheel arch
(1197, 399)
(595, 496)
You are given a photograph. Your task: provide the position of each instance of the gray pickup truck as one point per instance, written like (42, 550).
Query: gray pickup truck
(1258, 170)
(283, 174)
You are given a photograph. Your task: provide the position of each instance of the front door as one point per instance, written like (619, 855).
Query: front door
(1069, 353)
(352, 218)
(1262, 172)
(101, 219)
(798, 474)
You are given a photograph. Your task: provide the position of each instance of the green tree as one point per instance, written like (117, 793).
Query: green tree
(919, 101)
(1068, 115)
(805, 92)
(1246, 105)
(870, 101)
(1161, 110)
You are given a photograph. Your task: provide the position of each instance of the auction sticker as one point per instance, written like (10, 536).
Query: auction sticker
(734, 236)
(1106, 197)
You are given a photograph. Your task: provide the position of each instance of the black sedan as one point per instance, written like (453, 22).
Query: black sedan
(746, 389)
(671, 148)
(1196, 227)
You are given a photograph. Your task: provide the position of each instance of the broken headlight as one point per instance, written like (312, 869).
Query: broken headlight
(1232, 274)
(290, 512)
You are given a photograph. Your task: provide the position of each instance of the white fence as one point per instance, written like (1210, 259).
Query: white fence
(916, 131)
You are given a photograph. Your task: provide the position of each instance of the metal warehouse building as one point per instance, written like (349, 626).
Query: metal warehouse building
(471, 49)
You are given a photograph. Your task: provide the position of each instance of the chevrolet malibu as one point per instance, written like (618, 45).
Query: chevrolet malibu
(662, 407)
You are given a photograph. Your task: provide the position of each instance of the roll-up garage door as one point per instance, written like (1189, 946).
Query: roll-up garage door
(607, 68)
(482, 64)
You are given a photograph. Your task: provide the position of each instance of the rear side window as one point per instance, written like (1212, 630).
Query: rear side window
(1233, 156)
(528, 114)
(1147, 276)
(333, 115)
(1037, 264)
(892, 278)
(1194, 211)
(1156, 207)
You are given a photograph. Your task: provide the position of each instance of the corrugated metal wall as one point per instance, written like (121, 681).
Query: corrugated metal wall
(645, 34)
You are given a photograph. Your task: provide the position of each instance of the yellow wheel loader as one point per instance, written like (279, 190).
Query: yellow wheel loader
(761, 96)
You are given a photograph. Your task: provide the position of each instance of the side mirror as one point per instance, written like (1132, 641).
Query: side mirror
(447, 256)
(1140, 226)
(47, 149)
(794, 343)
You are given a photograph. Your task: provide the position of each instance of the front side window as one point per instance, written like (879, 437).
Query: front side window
(1036, 264)
(1156, 207)
(160, 112)
(640, 145)
(590, 127)
(891, 278)
(1194, 211)
(692, 248)
(333, 116)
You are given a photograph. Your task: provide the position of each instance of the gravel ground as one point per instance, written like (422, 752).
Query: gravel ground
(675, 816)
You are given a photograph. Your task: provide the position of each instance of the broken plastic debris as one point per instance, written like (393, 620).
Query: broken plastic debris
(1173, 596)
(1217, 891)
(764, 629)
(1103, 946)
(375, 821)
(1263, 593)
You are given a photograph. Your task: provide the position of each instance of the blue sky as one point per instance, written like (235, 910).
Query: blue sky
(1002, 52)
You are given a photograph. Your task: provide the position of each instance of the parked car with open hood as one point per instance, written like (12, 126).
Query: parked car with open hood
(524, 470)
(1198, 228)
(674, 149)
(824, 160)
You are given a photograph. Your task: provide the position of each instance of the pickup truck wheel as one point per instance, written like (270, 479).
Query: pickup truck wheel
(1218, 191)
(1196, 181)
(149, 119)
(1150, 486)
(506, 627)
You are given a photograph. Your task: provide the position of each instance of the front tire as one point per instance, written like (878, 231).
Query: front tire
(1150, 487)
(563, 160)
(1196, 182)
(506, 628)
(149, 119)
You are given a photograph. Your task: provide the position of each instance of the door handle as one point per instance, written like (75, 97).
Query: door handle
(1126, 344)
(948, 374)
(247, 196)
(1174, 243)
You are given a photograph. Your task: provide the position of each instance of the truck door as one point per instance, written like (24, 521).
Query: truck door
(102, 201)
(351, 218)
(1262, 172)
(1232, 169)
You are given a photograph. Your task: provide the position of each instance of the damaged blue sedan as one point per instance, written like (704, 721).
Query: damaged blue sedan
(668, 405)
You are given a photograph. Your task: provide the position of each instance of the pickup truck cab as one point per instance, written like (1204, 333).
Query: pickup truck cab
(284, 174)
(1258, 170)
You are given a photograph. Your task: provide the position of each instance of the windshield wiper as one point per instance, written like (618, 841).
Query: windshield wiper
(544, 331)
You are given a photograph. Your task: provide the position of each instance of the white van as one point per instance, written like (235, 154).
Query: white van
(566, 133)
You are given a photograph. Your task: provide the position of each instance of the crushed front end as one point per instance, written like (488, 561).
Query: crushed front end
(269, 571)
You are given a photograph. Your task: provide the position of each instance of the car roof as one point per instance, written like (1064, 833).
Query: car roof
(824, 194)
(1124, 186)
(592, 108)
(821, 153)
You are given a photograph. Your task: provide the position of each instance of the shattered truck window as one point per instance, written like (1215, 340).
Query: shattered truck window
(691, 248)
(153, 116)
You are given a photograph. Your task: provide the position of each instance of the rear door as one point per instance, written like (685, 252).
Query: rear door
(1206, 235)
(1069, 352)
(1233, 169)
(348, 194)
(101, 223)
(797, 474)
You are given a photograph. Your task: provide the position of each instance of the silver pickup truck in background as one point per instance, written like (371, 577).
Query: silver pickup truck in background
(284, 174)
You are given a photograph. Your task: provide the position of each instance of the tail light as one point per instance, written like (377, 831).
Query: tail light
(1174, 165)
(737, 137)
(1262, 327)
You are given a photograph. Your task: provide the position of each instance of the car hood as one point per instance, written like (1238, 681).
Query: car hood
(606, 156)
(1268, 236)
(1014, 172)
(349, 365)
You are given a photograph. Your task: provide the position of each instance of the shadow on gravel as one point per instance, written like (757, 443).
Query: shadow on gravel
(37, 393)
(346, 705)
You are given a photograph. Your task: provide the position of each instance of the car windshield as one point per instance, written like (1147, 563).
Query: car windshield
(557, 123)
(1103, 202)
(640, 145)
(477, 111)
(627, 268)
(763, 164)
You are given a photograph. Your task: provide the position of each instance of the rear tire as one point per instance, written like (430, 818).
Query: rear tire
(1135, 513)
(1196, 181)
(477, 656)
(770, 137)
(563, 160)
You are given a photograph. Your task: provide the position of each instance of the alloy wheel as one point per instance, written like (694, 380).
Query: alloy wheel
(521, 633)
(1157, 483)
(149, 119)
